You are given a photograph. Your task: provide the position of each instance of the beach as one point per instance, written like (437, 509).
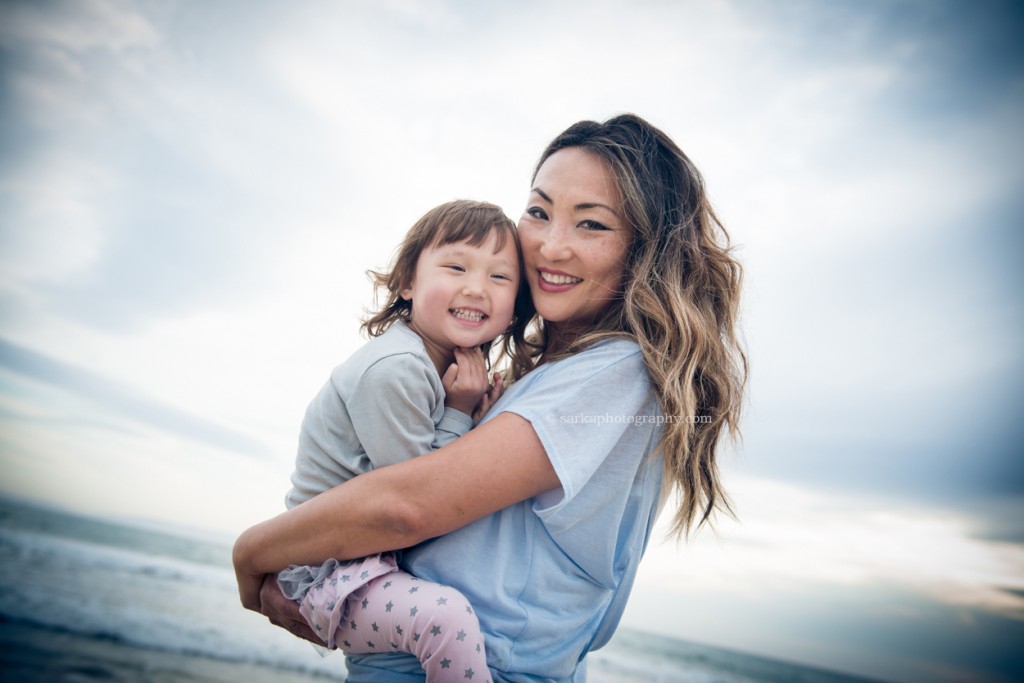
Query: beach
(30, 654)
(85, 599)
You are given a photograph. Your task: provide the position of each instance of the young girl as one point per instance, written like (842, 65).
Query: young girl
(453, 289)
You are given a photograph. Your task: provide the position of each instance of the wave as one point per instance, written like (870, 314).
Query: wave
(64, 574)
(110, 593)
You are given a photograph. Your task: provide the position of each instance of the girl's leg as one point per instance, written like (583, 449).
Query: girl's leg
(322, 591)
(400, 613)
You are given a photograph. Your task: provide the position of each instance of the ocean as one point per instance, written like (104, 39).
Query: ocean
(84, 599)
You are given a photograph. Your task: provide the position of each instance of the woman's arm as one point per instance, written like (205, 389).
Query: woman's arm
(496, 465)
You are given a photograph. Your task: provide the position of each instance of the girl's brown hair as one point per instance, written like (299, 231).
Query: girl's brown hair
(456, 221)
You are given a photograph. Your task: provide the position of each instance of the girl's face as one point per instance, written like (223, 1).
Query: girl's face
(463, 295)
(574, 237)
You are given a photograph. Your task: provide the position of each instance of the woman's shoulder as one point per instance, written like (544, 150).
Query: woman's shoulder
(608, 365)
(601, 354)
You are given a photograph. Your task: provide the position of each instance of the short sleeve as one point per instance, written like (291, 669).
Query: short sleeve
(584, 408)
(392, 409)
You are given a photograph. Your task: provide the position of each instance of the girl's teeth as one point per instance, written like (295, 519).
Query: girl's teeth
(475, 316)
(559, 279)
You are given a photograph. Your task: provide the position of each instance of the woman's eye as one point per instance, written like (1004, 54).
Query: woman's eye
(593, 225)
(536, 212)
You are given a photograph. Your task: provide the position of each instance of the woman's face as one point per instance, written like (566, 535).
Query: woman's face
(574, 237)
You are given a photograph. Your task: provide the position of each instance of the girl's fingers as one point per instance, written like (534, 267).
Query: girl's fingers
(450, 376)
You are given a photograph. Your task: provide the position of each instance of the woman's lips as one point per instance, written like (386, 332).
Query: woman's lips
(555, 281)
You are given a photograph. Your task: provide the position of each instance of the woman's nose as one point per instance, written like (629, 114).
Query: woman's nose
(555, 244)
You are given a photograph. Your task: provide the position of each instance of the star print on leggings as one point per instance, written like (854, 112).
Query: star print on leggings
(450, 626)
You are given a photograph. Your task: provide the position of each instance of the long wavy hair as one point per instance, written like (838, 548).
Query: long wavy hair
(680, 301)
(456, 221)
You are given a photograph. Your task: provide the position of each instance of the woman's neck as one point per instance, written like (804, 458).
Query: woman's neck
(560, 336)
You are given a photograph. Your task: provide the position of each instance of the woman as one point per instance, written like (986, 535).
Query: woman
(541, 513)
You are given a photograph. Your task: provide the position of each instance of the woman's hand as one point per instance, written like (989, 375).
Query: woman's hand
(249, 588)
(260, 593)
(284, 612)
(489, 398)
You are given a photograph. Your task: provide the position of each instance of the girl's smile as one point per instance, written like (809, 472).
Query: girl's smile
(468, 315)
(462, 295)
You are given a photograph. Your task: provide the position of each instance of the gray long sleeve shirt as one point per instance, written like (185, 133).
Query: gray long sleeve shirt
(383, 405)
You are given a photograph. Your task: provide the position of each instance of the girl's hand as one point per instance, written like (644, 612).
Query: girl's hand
(465, 382)
(489, 398)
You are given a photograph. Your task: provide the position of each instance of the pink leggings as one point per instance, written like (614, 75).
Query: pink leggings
(397, 612)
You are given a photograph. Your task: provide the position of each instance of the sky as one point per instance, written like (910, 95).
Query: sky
(191, 193)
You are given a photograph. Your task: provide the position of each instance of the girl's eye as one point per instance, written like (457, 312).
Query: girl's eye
(501, 276)
(536, 212)
(456, 267)
(593, 225)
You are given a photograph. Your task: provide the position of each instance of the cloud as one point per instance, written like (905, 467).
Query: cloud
(790, 535)
(124, 401)
(867, 585)
(189, 195)
(77, 26)
(878, 224)
(65, 237)
(134, 186)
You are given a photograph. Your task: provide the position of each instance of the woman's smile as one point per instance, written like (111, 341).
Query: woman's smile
(555, 281)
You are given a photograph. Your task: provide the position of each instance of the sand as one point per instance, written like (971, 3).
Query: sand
(29, 654)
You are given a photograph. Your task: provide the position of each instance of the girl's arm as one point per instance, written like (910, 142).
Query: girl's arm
(499, 463)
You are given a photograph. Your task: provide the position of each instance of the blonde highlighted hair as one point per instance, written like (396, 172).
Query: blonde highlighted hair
(456, 221)
(680, 302)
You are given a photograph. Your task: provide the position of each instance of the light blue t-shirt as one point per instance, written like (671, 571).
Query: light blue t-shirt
(549, 577)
